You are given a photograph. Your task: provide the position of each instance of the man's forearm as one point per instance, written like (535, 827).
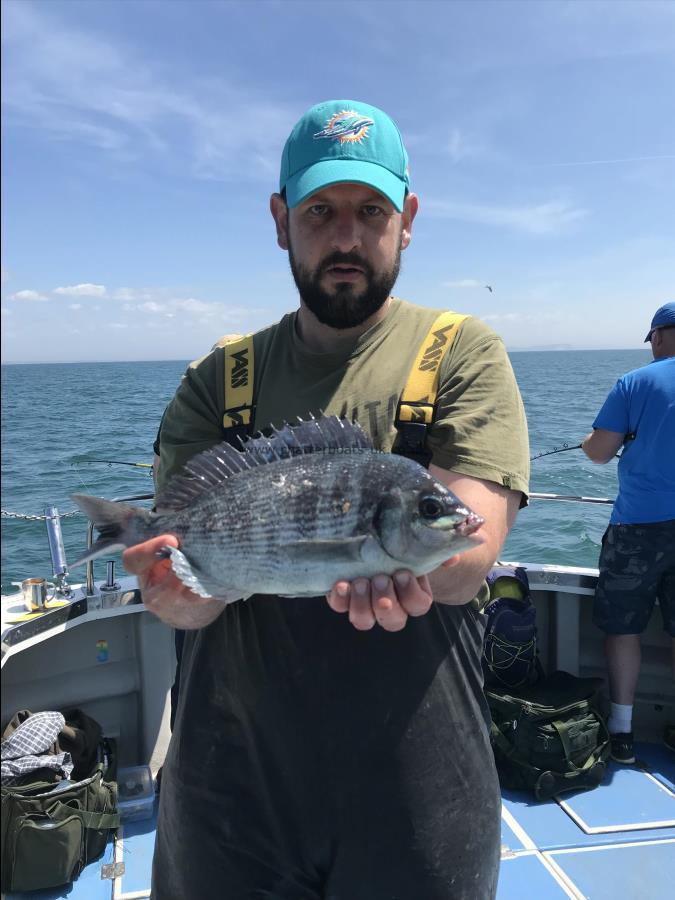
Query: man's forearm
(601, 445)
(459, 583)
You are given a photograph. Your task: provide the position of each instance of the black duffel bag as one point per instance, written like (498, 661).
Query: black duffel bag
(549, 738)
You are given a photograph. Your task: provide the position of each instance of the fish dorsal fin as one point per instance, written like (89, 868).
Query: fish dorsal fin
(313, 436)
(212, 467)
(201, 474)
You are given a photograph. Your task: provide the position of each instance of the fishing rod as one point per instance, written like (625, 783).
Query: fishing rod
(121, 462)
(563, 449)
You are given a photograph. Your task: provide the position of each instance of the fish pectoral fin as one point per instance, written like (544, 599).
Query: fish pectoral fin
(198, 582)
(349, 549)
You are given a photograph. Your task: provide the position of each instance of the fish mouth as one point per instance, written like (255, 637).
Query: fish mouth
(465, 523)
(471, 524)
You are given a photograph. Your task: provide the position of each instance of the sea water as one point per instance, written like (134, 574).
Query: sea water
(57, 418)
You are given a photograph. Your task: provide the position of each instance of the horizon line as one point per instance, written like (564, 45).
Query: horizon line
(80, 362)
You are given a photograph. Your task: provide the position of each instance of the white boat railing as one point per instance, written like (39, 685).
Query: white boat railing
(90, 588)
(571, 498)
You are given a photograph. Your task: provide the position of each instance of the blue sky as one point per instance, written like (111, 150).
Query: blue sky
(141, 142)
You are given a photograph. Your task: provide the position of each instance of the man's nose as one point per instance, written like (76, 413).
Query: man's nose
(346, 231)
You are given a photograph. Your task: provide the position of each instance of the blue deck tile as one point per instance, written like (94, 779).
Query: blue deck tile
(644, 871)
(633, 799)
(526, 875)
(551, 828)
(138, 844)
(659, 760)
(511, 841)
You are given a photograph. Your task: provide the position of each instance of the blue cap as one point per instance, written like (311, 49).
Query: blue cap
(663, 316)
(344, 140)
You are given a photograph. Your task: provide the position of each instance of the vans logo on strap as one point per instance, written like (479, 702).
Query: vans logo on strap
(239, 377)
(434, 353)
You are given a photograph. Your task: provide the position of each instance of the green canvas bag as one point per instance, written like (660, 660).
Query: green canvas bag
(549, 738)
(50, 831)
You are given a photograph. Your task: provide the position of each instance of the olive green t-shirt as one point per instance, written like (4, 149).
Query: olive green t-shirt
(306, 753)
(480, 428)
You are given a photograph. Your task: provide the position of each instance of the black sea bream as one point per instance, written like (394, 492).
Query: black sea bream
(293, 513)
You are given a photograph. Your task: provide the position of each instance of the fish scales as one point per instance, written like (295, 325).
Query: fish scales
(258, 515)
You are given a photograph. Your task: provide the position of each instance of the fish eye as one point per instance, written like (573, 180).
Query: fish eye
(430, 508)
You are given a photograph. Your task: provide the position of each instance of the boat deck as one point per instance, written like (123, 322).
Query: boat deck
(615, 841)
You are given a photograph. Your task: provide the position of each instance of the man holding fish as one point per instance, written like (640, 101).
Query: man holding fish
(331, 737)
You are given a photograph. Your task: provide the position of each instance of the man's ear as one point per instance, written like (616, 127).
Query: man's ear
(410, 207)
(279, 212)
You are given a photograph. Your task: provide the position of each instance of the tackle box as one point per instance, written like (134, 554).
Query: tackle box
(136, 793)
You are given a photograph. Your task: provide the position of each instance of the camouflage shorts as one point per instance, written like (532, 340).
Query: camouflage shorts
(637, 566)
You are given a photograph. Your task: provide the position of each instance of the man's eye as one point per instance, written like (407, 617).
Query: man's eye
(372, 211)
(318, 209)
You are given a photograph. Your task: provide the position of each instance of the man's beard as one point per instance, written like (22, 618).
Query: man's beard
(348, 306)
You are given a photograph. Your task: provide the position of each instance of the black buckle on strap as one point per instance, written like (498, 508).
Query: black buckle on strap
(411, 442)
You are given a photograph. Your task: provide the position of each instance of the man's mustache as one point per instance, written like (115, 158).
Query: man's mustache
(345, 259)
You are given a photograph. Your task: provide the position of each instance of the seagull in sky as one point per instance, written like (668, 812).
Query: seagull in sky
(489, 287)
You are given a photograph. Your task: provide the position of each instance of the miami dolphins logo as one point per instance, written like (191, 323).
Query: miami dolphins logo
(347, 127)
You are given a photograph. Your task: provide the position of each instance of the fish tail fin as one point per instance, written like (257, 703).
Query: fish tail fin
(119, 525)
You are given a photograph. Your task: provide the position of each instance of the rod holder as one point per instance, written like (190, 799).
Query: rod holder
(110, 583)
(57, 550)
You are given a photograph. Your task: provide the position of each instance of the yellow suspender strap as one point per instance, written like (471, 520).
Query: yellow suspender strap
(419, 395)
(239, 374)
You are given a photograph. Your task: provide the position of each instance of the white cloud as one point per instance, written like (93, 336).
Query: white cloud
(521, 317)
(28, 295)
(164, 304)
(82, 290)
(606, 162)
(118, 325)
(464, 283)
(195, 306)
(460, 146)
(76, 86)
(75, 306)
(543, 218)
(5, 312)
(132, 294)
(506, 317)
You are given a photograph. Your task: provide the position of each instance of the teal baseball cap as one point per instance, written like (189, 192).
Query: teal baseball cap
(344, 140)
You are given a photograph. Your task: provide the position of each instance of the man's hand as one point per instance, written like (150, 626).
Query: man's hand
(382, 600)
(388, 603)
(163, 593)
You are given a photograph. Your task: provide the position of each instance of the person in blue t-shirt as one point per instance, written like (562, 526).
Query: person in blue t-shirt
(637, 560)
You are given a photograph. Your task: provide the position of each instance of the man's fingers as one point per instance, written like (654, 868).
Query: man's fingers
(163, 593)
(141, 558)
(386, 607)
(384, 600)
(414, 594)
(360, 610)
(150, 562)
(338, 596)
